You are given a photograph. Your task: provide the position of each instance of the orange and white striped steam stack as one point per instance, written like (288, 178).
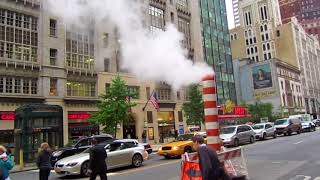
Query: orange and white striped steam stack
(211, 112)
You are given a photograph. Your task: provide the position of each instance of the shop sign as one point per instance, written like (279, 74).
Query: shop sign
(7, 116)
(79, 116)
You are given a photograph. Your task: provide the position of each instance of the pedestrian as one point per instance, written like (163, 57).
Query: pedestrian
(43, 161)
(97, 162)
(210, 166)
(144, 137)
(6, 164)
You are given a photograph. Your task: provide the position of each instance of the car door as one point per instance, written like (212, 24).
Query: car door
(112, 156)
(240, 134)
(269, 130)
(119, 155)
(82, 145)
(247, 133)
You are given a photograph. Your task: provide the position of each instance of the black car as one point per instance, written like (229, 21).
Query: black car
(78, 147)
(316, 122)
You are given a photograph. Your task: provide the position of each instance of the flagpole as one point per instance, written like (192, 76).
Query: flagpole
(147, 101)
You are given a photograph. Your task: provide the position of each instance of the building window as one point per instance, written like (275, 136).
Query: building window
(235, 36)
(53, 57)
(278, 33)
(178, 95)
(106, 64)
(247, 42)
(157, 19)
(106, 86)
(81, 89)
(105, 40)
(9, 85)
(148, 92)
(134, 90)
(17, 85)
(53, 28)
(269, 55)
(180, 116)
(264, 47)
(149, 117)
(26, 86)
(53, 87)
(80, 49)
(164, 94)
(172, 17)
(182, 4)
(268, 46)
(34, 86)
(184, 27)
(282, 85)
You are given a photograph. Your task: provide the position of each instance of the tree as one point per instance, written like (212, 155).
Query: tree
(260, 110)
(114, 106)
(193, 109)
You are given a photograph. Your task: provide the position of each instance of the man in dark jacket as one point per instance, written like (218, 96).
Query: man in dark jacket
(210, 166)
(97, 163)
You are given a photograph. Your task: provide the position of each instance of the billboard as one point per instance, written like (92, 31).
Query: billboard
(261, 76)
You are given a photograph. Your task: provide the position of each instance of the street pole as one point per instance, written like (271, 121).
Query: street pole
(211, 111)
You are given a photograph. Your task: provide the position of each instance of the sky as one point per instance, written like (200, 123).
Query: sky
(230, 14)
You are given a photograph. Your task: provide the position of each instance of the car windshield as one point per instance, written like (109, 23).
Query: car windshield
(258, 126)
(281, 121)
(228, 130)
(185, 137)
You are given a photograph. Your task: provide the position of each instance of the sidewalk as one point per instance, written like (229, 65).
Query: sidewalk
(28, 167)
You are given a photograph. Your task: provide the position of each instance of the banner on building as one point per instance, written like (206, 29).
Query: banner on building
(262, 76)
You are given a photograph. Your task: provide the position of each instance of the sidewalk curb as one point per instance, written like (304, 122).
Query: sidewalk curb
(23, 170)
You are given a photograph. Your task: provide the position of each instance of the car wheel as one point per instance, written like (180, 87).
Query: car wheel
(85, 169)
(251, 139)
(137, 160)
(275, 135)
(236, 142)
(264, 136)
(299, 131)
(188, 149)
(289, 133)
(167, 157)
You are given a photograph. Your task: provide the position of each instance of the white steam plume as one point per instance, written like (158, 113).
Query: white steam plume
(159, 57)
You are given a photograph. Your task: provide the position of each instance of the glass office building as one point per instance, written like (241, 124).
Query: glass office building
(216, 46)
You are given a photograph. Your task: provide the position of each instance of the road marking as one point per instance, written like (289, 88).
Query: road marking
(143, 168)
(298, 142)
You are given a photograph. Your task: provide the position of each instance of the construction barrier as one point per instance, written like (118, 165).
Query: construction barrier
(233, 161)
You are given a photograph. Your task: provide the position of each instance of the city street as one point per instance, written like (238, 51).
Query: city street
(285, 158)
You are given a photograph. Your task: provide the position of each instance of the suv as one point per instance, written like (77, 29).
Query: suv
(306, 122)
(235, 135)
(78, 147)
(288, 125)
(264, 130)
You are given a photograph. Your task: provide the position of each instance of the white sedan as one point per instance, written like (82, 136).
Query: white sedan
(121, 153)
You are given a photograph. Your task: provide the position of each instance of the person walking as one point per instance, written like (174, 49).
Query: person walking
(43, 161)
(210, 166)
(6, 164)
(97, 162)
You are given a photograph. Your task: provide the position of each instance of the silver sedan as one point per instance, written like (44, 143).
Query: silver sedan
(121, 153)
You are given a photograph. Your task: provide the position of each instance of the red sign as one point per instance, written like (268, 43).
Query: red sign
(79, 116)
(7, 116)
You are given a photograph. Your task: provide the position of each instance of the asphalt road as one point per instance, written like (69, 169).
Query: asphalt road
(294, 157)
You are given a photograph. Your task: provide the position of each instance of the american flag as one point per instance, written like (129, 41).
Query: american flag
(154, 101)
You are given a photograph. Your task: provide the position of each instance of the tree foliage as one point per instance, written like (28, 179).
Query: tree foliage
(260, 110)
(193, 108)
(114, 106)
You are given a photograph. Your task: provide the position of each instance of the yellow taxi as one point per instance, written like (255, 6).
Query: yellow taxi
(182, 144)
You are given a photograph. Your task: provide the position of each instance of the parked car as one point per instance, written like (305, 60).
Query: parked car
(316, 122)
(78, 147)
(287, 126)
(121, 153)
(264, 130)
(182, 144)
(306, 122)
(236, 135)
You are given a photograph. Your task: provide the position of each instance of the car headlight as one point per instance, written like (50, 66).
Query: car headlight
(175, 148)
(160, 148)
(56, 153)
(72, 164)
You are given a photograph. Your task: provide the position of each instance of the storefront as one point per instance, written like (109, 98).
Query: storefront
(166, 124)
(238, 116)
(6, 127)
(79, 126)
